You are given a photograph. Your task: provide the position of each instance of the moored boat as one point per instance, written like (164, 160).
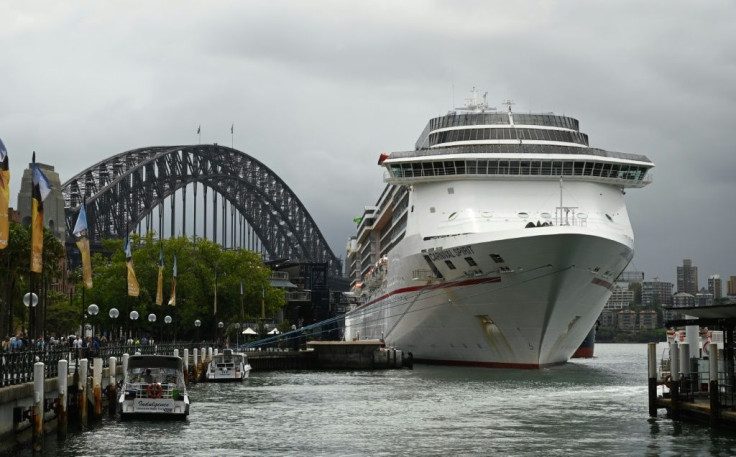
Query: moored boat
(228, 366)
(496, 241)
(154, 388)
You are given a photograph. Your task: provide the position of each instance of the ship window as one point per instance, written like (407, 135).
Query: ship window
(472, 166)
(431, 209)
(497, 258)
(471, 262)
(492, 167)
(513, 168)
(567, 168)
(450, 190)
(482, 167)
(503, 167)
(546, 168)
(450, 265)
(486, 134)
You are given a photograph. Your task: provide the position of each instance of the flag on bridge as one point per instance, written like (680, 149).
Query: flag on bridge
(40, 190)
(4, 196)
(80, 234)
(232, 129)
(133, 288)
(160, 283)
(199, 128)
(172, 300)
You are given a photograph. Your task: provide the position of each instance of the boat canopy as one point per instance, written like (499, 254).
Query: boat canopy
(155, 361)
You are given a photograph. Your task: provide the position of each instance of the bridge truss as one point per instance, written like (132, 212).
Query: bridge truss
(128, 190)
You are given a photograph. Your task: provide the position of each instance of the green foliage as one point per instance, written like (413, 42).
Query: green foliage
(199, 265)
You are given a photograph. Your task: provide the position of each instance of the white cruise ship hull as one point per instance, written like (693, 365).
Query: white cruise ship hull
(535, 312)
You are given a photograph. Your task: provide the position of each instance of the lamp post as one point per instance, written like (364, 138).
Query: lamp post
(167, 321)
(151, 319)
(237, 334)
(92, 310)
(114, 313)
(30, 300)
(134, 317)
(220, 325)
(197, 324)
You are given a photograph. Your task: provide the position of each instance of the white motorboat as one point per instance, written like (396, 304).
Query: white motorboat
(228, 366)
(154, 388)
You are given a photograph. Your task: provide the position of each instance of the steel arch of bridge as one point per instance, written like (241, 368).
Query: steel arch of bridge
(124, 189)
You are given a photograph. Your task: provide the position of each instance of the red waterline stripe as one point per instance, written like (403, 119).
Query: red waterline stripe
(463, 363)
(467, 282)
(602, 283)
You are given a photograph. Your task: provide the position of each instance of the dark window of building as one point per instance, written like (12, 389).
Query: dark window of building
(471, 262)
(450, 265)
(497, 258)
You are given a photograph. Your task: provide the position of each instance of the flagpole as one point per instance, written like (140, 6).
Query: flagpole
(232, 135)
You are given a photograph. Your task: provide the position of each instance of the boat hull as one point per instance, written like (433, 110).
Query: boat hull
(532, 313)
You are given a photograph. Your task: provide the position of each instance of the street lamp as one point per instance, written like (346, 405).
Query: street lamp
(134, 316)
(237, 333)
(197, 324)
(92, 310)
(167, 321)
(114, 313)
(151, 319)
(30, 300)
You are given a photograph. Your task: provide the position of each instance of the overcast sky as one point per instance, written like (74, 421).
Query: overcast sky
(337, 83)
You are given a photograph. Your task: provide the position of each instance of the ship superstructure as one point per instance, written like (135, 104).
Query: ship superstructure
(496, 240)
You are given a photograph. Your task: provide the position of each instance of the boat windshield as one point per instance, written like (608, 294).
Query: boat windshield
(153, 374)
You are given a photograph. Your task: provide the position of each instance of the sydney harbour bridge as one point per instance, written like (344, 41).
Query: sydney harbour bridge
(258, 211)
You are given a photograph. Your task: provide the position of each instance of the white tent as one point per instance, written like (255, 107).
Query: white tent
(274, 332)
(249, 331)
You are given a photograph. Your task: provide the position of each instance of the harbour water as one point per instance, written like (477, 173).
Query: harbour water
(587, 407)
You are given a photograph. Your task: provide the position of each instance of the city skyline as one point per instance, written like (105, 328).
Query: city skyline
(330, 86)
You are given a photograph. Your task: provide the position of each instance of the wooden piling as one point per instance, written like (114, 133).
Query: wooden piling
(186, 365)
(61, 413)
(82, 397)
(713, 390)
(97, 386)
(675, 382)
(652, 375)
(38, 404)
(112, 386)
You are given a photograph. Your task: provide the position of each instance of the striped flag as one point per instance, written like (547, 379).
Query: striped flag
(80, 234)
(160, 283)
(133, 288)
(172, 300)
(4, 196)
(41, 189)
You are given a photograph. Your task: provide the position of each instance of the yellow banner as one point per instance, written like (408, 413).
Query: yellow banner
(83, 245)
(133, 289)
(4, 202)
(160, 289)
(36, 236)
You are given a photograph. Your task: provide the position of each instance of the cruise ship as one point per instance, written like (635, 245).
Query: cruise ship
(495, 242)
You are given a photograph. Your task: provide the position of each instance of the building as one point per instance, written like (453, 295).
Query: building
(607, 318)
(703, 298)
(714, 286)
(648, 320)
(620, 298)
(53, 207)
(682, 299)
(687, 277)
(656, 293)
(626, 319)
(731, 289)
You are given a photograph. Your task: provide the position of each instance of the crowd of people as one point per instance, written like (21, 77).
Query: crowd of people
(86, 347)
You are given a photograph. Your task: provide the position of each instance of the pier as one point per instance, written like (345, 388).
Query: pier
(698, 381)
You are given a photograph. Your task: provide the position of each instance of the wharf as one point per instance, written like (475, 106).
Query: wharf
(362, 354)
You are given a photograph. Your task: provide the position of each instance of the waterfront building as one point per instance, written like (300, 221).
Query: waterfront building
(703, 298)
(687, 277)
(656, 293)
(626, 319)
(731, 290)
(607, 318)
(714, 286)
(683, 299)
(621, 297)
(53, 205)
(647, 320)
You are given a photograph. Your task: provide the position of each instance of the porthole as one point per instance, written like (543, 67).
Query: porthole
(431, 209)
(523, 215)
(546, 216)
(582, 216)
(486, 214)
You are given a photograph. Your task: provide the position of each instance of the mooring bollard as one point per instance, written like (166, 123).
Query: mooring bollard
(195, 359)
(186, 365)
(61, 416)
(713, 391)
(652, 375)
(686, 378)
(82, 386)
(675, 372)
(112, 385)
(37, 411)
(176, 353)
(97, 385)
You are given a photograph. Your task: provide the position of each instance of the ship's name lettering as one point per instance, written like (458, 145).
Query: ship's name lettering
(450, 253)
